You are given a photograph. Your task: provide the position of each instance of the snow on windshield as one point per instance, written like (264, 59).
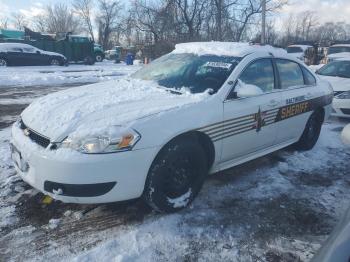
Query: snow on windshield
(190, 71)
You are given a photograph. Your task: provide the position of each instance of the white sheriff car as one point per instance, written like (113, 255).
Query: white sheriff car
(203, 108)
(337, 73)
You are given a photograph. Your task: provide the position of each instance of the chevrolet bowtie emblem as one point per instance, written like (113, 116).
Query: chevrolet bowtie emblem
(26, 132)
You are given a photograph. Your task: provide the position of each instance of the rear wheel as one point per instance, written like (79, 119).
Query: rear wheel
(176, 175)
(311, 132)
(98, 58)
(3, 62)
(89, 60)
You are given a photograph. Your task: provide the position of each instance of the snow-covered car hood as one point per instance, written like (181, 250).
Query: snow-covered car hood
(98, 106)
(338, 83)
(51, 53)
(337, 56)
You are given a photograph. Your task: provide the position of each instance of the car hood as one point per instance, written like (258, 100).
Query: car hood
(339, 55)
(52, 53)
(102, 105)
(338, 83)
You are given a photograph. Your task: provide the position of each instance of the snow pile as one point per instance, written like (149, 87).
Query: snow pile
(101, 105)
(314, 68)
(74, 74)
(247, 90)
(345, 135)
(303, 47)
(7, 216)
(181, 201)
(225, 49)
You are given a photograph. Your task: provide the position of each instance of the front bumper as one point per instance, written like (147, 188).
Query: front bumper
(73, 177)
(341, 108)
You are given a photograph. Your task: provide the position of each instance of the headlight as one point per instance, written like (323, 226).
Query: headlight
(344, 95)
(122, 140)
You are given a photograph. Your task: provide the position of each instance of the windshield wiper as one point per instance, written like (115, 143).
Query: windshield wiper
(172, 90)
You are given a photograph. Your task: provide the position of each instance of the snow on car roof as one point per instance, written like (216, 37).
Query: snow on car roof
(6, 46)
(340, 45)
(304, 47)
(226, 49)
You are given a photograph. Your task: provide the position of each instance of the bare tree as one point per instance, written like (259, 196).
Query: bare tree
(18, 20)
(190, 16)
(221, 11)
(4, 22)
(154, 17)
(57, 18)
(108, 19)
(84, 9)
(245, 10)
(39, 23)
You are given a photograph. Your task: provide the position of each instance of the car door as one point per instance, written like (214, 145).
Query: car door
(15, 56)
(30, 55)
(298, 91)
(248, 124)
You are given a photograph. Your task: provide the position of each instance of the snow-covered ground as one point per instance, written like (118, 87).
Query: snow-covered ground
(277, 208)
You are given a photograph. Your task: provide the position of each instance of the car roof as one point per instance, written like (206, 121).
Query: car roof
(304, 47)
(347, 45)
(20, 45)
(227, 49)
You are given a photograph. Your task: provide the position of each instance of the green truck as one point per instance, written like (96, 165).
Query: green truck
(75, 48)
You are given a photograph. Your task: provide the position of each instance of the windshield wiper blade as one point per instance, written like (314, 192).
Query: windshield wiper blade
(173, 91)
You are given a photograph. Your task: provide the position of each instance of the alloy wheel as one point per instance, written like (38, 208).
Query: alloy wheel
(3, 62)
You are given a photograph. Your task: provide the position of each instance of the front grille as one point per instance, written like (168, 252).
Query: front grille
(345, 111)
(338, 92)
(34, 136)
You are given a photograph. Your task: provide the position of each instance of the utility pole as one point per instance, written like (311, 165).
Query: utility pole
(263, 22)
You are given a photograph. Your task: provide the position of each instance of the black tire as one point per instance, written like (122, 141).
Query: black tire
(98, 58)
(176, 175)
(311, 132)
(3, 62)
(89, 60)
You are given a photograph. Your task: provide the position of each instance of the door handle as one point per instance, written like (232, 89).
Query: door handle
(274, 103)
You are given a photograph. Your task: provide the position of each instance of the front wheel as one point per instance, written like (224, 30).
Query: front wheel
(176, 175)
(3, 62)
(311, 132)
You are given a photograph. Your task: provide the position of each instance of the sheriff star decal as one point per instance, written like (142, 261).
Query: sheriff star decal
(259, 120)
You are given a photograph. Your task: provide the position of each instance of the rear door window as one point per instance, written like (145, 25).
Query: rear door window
(290, 73)
(15, 49)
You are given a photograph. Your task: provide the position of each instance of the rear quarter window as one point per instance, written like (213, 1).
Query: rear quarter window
(290, 73)
(309, 79)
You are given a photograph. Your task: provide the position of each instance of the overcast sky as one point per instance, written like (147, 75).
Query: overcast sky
(326, 10)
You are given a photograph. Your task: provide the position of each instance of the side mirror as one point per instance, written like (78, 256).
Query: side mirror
(244, 90)
(38, 52)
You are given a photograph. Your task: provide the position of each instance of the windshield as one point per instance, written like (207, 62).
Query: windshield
(338, 49)
(337, 68)
(294, 49)
(196, 73)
